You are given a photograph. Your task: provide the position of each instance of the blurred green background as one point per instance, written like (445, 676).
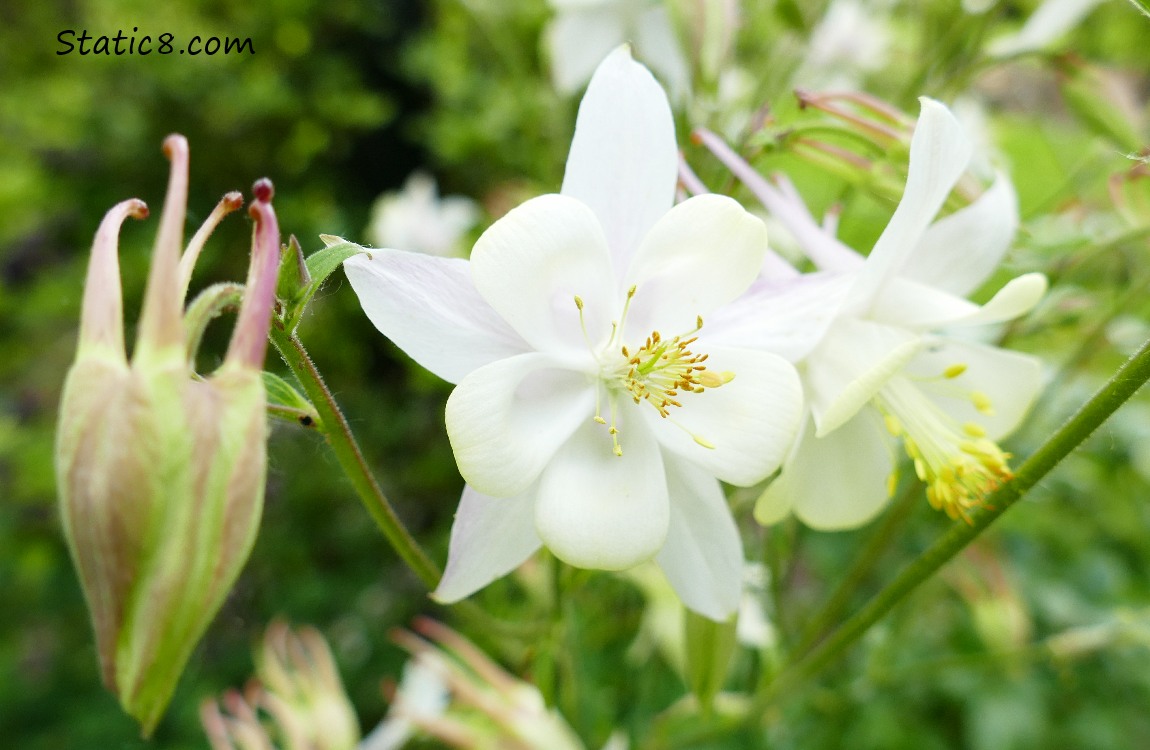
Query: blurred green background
(1040, 637)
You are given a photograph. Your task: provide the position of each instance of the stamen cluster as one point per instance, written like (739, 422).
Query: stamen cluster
(959, 465)
(659, 370)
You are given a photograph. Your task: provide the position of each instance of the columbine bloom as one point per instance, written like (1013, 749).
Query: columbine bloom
(161, 473)
(595, 406)
(879, 345)
(584, 31)
(416, 218)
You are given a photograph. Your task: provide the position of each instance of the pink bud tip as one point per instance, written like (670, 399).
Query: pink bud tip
(175, 144)
(264, 190)
(233, 200)
(137, 209)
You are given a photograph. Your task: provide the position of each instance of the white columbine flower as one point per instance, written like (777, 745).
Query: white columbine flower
(592, 412)
(416, 218)
(584, 31)
(879, 345)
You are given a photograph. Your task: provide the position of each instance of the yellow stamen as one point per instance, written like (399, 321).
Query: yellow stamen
(954, 371)
(959, 464)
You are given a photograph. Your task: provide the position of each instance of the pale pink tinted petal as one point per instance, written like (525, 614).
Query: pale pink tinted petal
(785, 318)
(939, 152)
(853, 361)
(741, 431)
(1010, 381)
(599, 510)
(703, 253)
(835, 482)
(489, 538)
(506, 419)
(703, 554)
(531, 264)
(623, 159)
(785, 205)
(430, 308)
(959, 252)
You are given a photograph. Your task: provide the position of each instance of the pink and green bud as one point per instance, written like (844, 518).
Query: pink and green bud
(296, 702)
(161, 472)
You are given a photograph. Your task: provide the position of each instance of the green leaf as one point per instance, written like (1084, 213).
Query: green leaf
(288, 404)
(293, 276)
(315, 271)
(710, 646)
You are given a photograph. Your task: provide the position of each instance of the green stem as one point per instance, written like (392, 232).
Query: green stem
(350, 457)
(868, 556)
(1121, 386)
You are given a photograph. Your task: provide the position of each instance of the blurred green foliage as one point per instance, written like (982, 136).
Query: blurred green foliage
(1038, 638)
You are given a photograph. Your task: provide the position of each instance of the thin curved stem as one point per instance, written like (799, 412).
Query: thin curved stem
(350, 457)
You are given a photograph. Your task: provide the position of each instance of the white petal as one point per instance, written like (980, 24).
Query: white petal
(532, 263)
(703, 555)
(1017, 298)
(835, 482)
(1010, 380)
(489, 538)
(703, 253)
(599, 510)
(749, 422)
(850, 365)
(506, 419)
(623, 161)
(578, 40)
(787, 318)
(939, 152)
(430, 308)
(959, 252)
(915, 306)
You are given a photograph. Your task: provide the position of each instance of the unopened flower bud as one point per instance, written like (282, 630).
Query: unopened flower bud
(296, 702)
(161, 473)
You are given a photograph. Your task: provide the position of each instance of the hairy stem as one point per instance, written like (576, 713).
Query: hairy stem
(347, 451)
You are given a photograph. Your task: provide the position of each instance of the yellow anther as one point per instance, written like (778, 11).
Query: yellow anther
(709, 379)
(982, 402)
(893, 426)
(703, 442)
(974, 430)
(954, 371)
(600, 419)
(579, 302)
